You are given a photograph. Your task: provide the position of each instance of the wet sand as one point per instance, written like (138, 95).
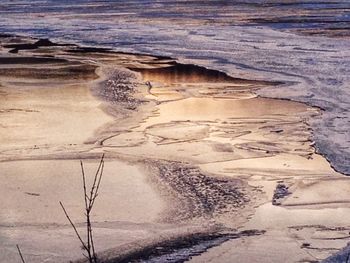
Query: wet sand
(191, 153)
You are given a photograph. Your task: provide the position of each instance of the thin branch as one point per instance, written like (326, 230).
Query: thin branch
(89, 200)
(86, 204)
(84, 183)
(20, 254)
(93, 198)
(99, 180)
(92, 192)
(92, 244)
(89, 234)
(75, 229)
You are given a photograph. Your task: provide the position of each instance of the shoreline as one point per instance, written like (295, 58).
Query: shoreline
(240, 137)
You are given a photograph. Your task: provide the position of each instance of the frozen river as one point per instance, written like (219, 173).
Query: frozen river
(304, 44)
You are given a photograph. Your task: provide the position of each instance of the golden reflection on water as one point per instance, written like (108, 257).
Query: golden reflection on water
(209, 109)
(181, 73)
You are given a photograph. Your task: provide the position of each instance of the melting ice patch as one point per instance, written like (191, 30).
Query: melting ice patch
(316, 69)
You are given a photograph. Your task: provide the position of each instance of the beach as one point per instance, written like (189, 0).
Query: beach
(199, 167)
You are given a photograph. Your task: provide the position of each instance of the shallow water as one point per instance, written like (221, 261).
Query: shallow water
(208, 109)
(222, 35)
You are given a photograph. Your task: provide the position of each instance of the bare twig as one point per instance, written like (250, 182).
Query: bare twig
(75, 229)
(20, 253)
(92, 198)
(84, 183)
(92, 243)
(98, 174)
(86, 207)
(89, 200)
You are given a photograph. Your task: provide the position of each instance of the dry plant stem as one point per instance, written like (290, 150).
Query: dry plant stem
(20, 254)
(89, 200)
(86, 205)
(75, 229)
